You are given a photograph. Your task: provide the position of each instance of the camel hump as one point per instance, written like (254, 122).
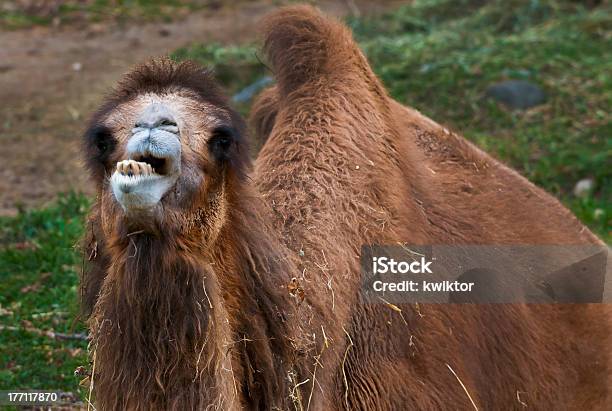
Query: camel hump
(304, 47)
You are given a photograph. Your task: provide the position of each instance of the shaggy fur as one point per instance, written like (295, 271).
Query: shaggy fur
(263, 116)
(161, 295)
(244, 292)
(344, 165)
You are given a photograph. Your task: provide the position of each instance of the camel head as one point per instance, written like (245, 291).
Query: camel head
(164, 147)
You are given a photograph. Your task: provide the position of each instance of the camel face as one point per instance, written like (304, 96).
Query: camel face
(153, 162)
(161, 155)
(154, 153)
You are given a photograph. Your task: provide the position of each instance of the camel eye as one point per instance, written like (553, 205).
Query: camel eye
(102, 146)
(102, 139)
(221, 142)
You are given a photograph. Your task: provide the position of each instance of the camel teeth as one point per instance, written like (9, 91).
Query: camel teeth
(143, 169)
(122, 167)
(132, 168)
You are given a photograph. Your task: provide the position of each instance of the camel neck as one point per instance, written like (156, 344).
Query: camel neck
(253, 267)
(159, 329)
(178, 314)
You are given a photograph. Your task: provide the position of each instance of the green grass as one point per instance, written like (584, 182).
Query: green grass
(234, 66)
(439, 56)
(38, 280)
(17, 15)
(436, 55)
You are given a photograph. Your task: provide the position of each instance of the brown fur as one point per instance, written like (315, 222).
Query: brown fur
(263, 116)
(161, 293)
(416, 182)
(199, 307)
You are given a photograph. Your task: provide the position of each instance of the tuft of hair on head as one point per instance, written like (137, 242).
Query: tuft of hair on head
(162, 75)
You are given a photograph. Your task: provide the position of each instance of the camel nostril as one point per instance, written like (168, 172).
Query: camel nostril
(162, 122)
(156, 123)
(157, 115)
(167, 122)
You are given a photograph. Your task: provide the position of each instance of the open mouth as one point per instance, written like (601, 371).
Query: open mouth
(143, 166)
(140, 182)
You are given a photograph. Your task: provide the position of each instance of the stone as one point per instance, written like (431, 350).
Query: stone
(516, 94)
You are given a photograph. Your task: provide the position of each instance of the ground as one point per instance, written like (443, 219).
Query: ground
(51, 79)
(439, 56)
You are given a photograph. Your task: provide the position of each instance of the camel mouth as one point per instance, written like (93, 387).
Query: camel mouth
(146, 164)
(136, 168)
(141, 182)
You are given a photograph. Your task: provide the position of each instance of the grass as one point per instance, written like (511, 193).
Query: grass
(439, 56)
(38, 273)
(436, 55)
(20, 14)
(234, 66)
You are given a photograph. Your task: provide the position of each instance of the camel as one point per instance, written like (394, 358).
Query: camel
(213, 283)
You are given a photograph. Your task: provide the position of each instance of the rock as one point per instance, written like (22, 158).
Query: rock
(516, 94)
(584, 187)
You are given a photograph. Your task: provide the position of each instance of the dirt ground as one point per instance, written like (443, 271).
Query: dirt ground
(51, 79)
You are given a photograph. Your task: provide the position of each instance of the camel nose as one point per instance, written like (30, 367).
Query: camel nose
(157, 115)
(156, 140)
